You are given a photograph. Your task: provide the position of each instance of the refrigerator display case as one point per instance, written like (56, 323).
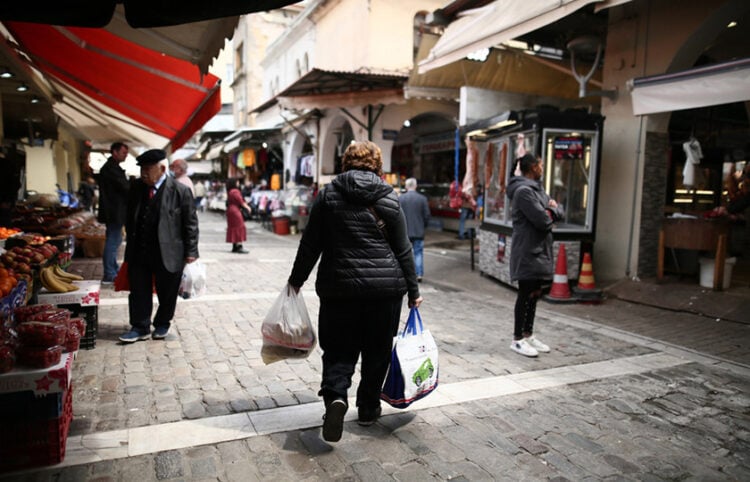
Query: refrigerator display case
(569, 144)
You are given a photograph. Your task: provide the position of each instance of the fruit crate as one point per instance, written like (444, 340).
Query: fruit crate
(90, 314)
(27, 406)
(26, 443)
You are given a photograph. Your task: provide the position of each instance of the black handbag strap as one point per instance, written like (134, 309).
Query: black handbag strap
(379, 222)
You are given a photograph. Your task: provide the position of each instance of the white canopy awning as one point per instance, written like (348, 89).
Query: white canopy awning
(689, 89)
(498, 22)
(215, 151)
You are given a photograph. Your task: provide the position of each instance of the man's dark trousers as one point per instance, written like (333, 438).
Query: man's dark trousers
(143, 276)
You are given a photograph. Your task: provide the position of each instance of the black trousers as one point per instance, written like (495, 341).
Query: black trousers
(145, 275)
(529, 292)
(348, 328)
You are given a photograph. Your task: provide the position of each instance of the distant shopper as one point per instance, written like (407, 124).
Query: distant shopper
(113, 201)
(200, 193)
(86, 193)
(162, 231)
(468, 211)
(236, 230)
(358, 232)
(179, 168)
(417, 212)
(531, 257)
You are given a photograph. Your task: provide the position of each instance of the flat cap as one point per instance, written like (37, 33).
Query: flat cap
(151, 156)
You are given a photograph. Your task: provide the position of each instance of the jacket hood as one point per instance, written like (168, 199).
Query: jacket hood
(361, 187)
(516, 182)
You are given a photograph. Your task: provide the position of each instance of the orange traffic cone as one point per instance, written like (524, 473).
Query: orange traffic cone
(560, 291)
(586, 290)
(586, 278)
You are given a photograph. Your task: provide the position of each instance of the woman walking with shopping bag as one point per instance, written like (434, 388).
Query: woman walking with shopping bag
(358, 231)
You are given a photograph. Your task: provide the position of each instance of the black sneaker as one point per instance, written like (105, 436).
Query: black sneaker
(333, 420)
(368, 417)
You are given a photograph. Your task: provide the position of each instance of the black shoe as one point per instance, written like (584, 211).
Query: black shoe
(333, 420)
(419, 279)
(368, 417)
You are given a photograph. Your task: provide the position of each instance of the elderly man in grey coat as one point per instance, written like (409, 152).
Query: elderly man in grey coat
(417, 212)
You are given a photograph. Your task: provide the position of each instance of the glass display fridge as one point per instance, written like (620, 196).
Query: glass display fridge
(569, 143)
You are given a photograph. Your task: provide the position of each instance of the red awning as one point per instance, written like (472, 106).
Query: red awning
(166, 96)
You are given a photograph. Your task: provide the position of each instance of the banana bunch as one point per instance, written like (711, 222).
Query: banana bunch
(56, 280)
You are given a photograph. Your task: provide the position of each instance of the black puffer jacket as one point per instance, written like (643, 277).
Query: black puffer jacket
(356, 261)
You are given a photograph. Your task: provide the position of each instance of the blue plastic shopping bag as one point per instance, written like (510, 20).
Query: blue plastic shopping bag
(413, 373)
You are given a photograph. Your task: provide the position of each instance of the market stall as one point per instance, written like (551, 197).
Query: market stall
(569, 144)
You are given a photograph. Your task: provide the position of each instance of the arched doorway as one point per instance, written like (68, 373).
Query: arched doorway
(337, 138)
(425, 149)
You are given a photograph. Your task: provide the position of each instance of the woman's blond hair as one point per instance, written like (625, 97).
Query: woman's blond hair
(364, 156)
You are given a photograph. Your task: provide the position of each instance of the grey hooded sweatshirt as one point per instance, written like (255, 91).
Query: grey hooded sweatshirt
(531, 256)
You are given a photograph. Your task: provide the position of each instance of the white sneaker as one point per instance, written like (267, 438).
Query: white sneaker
(540, 347)
(523, 347)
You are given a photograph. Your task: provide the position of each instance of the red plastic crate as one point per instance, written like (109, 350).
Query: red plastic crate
(35, 443)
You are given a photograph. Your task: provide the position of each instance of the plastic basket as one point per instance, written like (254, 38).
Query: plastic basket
(90, 314)
(34, 443)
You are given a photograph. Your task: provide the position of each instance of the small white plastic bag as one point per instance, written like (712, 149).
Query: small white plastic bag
(287, 330)
(193, 282)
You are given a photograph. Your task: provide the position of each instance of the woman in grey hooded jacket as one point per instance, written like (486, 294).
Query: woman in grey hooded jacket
(531, 257)
(365, 270)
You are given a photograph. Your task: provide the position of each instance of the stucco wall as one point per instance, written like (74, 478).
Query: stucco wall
(41, 173)
(638, 44)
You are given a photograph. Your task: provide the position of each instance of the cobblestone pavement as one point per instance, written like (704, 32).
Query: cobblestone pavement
(646, 425)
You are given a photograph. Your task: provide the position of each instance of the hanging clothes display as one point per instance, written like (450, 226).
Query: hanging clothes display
(248, 157)
(693, 156)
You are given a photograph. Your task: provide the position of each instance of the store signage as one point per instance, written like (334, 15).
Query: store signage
(442, 142)
(568, 148)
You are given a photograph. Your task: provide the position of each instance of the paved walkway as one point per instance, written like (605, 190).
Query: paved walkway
(611, 401)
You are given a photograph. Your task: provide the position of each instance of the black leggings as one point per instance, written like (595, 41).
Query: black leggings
(529, 292)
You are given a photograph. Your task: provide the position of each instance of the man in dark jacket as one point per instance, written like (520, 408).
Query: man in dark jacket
(113, 197)
(365, 270)
(417, 212)
(531, 257)
(162, 236)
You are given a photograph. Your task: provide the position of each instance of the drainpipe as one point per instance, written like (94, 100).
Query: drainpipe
(635, 198)
(638, 153)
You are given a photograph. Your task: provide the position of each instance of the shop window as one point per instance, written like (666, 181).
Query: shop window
(569, 175)
(239, 55)
(505, 150)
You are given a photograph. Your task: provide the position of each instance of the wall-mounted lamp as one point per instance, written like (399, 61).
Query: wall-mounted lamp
(22, 88)
(587, 44)
(6, 74)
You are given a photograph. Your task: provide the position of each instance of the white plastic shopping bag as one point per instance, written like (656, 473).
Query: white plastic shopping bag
(413, 373)
(193, 283)
(287, 330)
